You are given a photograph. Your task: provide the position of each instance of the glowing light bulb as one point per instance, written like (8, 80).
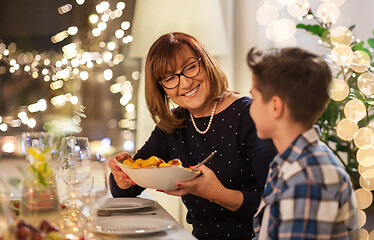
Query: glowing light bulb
(355, 110)
(364, 137)
(338, 89)
(346, 129)
(365, 83)
(341, 35)
(365, 157)
(342, 54)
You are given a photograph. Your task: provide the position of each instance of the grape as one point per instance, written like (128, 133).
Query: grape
(45, 226)
(23, 232)
(38, 235)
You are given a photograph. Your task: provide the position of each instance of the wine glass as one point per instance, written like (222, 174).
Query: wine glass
(75, 164)
(86, 177)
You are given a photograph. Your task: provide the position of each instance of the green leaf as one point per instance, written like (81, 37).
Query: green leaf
(352, 27)
(314, 29)
(342, 148)
(371, 42)
(369, 101)
(334, 138)
(358, 46)
(356, 94)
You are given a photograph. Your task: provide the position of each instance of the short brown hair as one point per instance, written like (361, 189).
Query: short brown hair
(162, 55)
(299, 77)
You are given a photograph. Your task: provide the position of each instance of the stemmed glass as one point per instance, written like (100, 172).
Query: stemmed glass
(86, 177)
(74, 167)
(75, 164)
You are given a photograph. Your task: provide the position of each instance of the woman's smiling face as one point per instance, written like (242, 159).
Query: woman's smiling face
(191, 93)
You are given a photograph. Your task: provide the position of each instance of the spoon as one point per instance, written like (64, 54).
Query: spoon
(204, 161)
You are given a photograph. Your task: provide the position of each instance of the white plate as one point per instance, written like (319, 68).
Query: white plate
(112, 204)
(129, 226)
(161, 178)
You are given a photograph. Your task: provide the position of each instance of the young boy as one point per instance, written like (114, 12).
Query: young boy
(308, 194)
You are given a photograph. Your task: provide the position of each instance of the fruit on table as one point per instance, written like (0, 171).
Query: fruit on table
(46, 231)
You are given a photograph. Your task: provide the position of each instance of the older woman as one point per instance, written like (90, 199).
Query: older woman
(222, 201)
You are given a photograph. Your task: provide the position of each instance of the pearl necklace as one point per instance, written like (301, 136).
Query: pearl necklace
(210, 121)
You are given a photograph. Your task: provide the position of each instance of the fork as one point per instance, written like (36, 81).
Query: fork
(204, 161)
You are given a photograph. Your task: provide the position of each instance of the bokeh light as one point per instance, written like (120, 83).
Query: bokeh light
(361, 218)
(341, 35)
(364, 198)
(346, 129)
(342, 54)
(363, 234)
(355, 110)
(266, 14)
(298, 8)
(280, 30)
(365, 157)
(365, 83)
(364, 137)
(338, 89)
(360, 62)
(371, 235)
(336, 2)
(328, 12)
(367, 183)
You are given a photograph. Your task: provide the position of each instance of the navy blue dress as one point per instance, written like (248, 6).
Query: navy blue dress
(241, 163)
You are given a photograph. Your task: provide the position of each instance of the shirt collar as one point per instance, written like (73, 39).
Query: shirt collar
(301, 142)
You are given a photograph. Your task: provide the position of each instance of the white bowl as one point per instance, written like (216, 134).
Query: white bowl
(161, 178)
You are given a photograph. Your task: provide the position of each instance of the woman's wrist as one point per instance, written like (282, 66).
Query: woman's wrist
(230, 199)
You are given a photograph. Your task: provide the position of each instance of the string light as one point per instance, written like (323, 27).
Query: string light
(68, 65)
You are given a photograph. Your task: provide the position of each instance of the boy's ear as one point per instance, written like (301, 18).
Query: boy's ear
(278, 106)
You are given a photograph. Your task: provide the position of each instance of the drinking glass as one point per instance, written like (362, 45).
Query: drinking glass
(75, 164)
(86, 178)
(7, 230)
(39, 199)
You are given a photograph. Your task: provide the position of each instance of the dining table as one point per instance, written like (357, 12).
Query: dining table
(156, 223)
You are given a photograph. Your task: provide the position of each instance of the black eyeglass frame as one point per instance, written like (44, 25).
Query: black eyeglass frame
(180, 74)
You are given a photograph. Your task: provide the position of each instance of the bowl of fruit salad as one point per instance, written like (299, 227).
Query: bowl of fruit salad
(155, 173)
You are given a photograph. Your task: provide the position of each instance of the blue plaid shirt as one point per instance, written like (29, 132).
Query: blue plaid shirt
(308, 195)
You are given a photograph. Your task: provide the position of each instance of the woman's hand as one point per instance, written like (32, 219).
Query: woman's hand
(208, 186)
(122, 180)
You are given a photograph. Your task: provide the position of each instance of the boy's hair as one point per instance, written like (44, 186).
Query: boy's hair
(299, 77)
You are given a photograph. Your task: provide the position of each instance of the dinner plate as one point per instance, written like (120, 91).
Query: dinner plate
(112, 204)
(120, 226)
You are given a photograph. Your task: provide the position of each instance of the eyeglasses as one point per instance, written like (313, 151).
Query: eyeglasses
(189, 71)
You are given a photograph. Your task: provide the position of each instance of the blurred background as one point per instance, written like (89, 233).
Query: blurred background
(76, 67)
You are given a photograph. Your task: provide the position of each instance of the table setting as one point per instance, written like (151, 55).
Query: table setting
(85, 208)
